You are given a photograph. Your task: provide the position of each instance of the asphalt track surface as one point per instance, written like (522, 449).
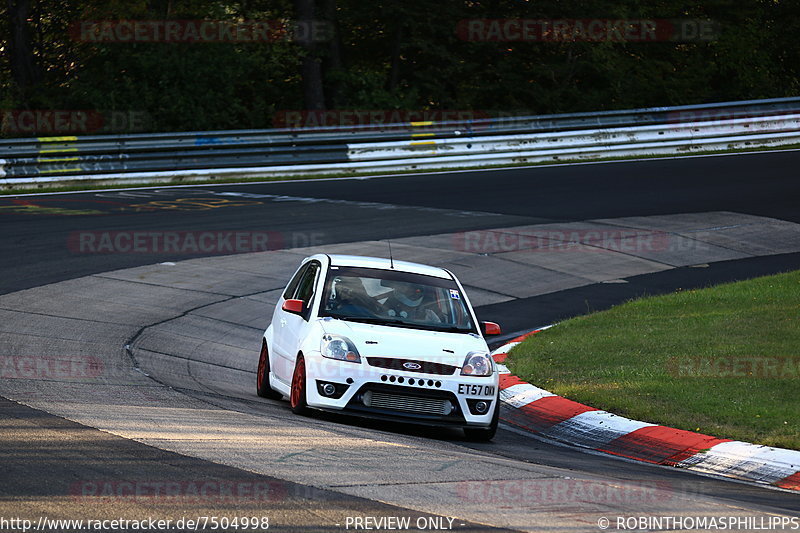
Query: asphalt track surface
(34, 239)
(36, 248)
(64, 465)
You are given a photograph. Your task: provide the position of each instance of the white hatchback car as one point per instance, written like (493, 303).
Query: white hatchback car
(381, 339)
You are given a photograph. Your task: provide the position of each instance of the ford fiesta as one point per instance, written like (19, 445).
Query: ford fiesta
(381, 339)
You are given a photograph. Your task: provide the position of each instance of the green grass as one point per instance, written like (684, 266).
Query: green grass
(724, 360)
(73, 186)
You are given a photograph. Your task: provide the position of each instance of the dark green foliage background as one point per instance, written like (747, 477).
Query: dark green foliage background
(401, 55)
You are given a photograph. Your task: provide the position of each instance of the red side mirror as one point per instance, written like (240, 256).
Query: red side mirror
(490, 328)
(293, 306)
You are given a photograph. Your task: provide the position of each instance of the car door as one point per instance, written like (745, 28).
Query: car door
(289, 328)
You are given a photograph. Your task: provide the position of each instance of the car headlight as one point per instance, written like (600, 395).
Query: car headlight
(338, 347)
(477, 364)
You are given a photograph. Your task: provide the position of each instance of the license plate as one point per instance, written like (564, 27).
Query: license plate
(475, 390)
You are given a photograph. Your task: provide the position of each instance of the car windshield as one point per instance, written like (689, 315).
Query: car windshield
(395, 299)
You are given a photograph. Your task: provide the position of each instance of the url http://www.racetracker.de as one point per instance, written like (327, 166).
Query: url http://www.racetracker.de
(699, 523)
(197, 523)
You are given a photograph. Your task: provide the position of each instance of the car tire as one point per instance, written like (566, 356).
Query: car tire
(297, 399)
(262, 375)
(485, 434)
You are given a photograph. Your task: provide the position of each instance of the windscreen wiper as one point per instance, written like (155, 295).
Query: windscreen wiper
(403, 324)
(379, 321)
(367, 319)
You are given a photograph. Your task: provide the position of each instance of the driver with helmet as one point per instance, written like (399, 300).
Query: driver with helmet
(409, 300)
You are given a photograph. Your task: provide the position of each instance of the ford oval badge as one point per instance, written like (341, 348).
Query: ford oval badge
(412, 366)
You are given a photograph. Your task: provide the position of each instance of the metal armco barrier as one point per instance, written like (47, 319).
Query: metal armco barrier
(190, 156)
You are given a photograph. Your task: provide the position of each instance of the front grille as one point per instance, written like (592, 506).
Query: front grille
(425, 367)
(420, 405)
(409, 404)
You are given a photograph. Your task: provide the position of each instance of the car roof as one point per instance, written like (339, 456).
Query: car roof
(386, 264)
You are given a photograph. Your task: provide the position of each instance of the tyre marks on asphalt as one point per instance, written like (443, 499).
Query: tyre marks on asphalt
(61, 470)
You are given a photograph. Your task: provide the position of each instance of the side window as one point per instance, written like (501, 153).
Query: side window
(290, 289)
(306, 287)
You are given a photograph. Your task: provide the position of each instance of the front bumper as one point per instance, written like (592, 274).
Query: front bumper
(385, 393)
